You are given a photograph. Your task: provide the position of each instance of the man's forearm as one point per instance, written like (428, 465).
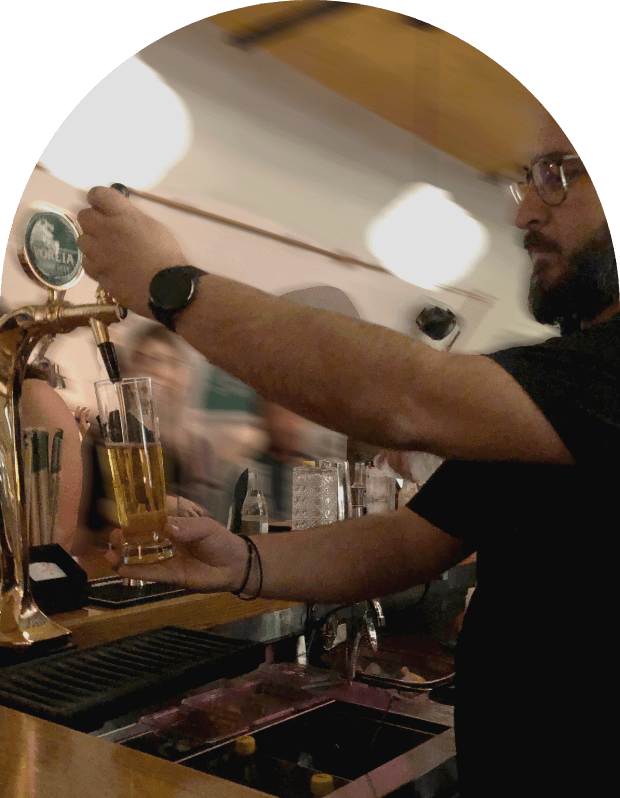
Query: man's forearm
(357, 378)
(354, 560)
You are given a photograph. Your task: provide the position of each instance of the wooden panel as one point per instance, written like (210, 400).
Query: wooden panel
(426, 81)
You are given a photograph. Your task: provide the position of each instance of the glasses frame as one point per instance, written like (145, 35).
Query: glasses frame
(515, 187)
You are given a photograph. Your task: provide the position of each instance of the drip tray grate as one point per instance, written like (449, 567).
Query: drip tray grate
(83, 689)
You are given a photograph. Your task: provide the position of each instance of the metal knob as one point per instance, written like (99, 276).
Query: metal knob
(120, 187)
(379, 612)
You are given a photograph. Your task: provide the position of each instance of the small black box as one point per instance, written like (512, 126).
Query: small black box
(58, 583)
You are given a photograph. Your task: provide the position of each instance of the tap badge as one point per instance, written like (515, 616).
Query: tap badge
(51, 255)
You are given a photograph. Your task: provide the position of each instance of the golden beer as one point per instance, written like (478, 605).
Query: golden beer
(140, 491)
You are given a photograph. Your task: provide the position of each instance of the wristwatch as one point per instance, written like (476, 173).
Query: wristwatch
(171, 291)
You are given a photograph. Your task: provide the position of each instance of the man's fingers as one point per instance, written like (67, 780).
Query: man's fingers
(108, 201)
(185, 530)
(88, 219)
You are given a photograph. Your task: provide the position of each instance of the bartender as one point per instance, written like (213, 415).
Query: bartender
(529, 436)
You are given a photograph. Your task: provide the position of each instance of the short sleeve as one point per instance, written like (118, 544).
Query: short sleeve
(575, 383)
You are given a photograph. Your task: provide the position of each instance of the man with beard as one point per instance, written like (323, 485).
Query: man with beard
(529, 436)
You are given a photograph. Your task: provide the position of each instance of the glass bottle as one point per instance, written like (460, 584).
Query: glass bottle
(254, 513)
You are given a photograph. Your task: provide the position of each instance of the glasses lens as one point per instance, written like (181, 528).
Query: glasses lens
(519, 191)
(548, 181)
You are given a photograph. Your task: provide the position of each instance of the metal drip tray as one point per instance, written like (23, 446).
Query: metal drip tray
(83, 689)
(342, 739)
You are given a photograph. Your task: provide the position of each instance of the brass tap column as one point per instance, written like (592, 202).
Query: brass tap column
(52, 259)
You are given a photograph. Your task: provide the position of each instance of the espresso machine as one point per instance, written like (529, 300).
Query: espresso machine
(51, 258)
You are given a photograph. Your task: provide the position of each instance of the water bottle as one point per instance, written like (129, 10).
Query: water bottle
(254, 514)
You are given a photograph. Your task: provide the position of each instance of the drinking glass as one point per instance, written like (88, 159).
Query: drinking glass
(380, 492)
(315, 496)
(130, 431)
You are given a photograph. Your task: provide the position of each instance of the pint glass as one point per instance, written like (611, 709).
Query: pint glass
(131, 434)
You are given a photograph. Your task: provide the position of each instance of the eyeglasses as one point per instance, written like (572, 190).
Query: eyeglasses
(550, 178)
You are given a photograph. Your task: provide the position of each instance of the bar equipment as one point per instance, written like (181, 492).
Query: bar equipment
(254, 511)
(345, 502)
(380, 492)
(52, 259)
(316, 495)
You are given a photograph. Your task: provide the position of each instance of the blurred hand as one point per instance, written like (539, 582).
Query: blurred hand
(124, 248)
(413, 466)
(183, 508)
(207, 557)
(396, 460)
(82, 418)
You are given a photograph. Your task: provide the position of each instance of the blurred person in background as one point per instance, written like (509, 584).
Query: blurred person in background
(159, 354)
(289, 441)
(155, 352)
(289, 444)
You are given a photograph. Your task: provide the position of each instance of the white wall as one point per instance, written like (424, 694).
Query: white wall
(275, 149)
(281, 146)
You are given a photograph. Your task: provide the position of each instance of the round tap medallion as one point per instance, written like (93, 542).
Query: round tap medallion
(51, 253)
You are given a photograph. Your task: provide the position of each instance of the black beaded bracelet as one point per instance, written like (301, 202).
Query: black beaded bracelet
(253, 547)
(248, 569)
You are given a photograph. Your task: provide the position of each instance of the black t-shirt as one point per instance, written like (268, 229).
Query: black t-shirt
(534, 656)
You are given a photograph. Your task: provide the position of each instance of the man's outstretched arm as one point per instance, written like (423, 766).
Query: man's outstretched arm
(344, 562)
(360, 379)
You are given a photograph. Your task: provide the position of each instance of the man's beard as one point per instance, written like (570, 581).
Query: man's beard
(589, 287)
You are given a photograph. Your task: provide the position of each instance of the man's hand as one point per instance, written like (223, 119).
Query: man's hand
(124, 248)
(207, 557)
(413, 466)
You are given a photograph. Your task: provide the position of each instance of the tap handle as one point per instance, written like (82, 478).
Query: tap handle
(107, 350)
(120, 187)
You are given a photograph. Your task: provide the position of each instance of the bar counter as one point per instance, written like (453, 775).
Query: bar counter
(45, 760)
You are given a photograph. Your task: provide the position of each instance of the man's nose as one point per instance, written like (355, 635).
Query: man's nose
(533, 213)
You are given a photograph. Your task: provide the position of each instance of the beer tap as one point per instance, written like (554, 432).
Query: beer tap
(51, 257)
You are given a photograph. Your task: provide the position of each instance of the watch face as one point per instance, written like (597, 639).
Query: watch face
(171, 290)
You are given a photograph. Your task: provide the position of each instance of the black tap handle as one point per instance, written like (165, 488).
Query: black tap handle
(107, 350)
(120, 187)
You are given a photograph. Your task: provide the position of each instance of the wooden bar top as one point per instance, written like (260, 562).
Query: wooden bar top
(44, 760)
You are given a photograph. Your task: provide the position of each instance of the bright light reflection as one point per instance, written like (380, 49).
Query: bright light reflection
(131, 128)
(425, 238)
